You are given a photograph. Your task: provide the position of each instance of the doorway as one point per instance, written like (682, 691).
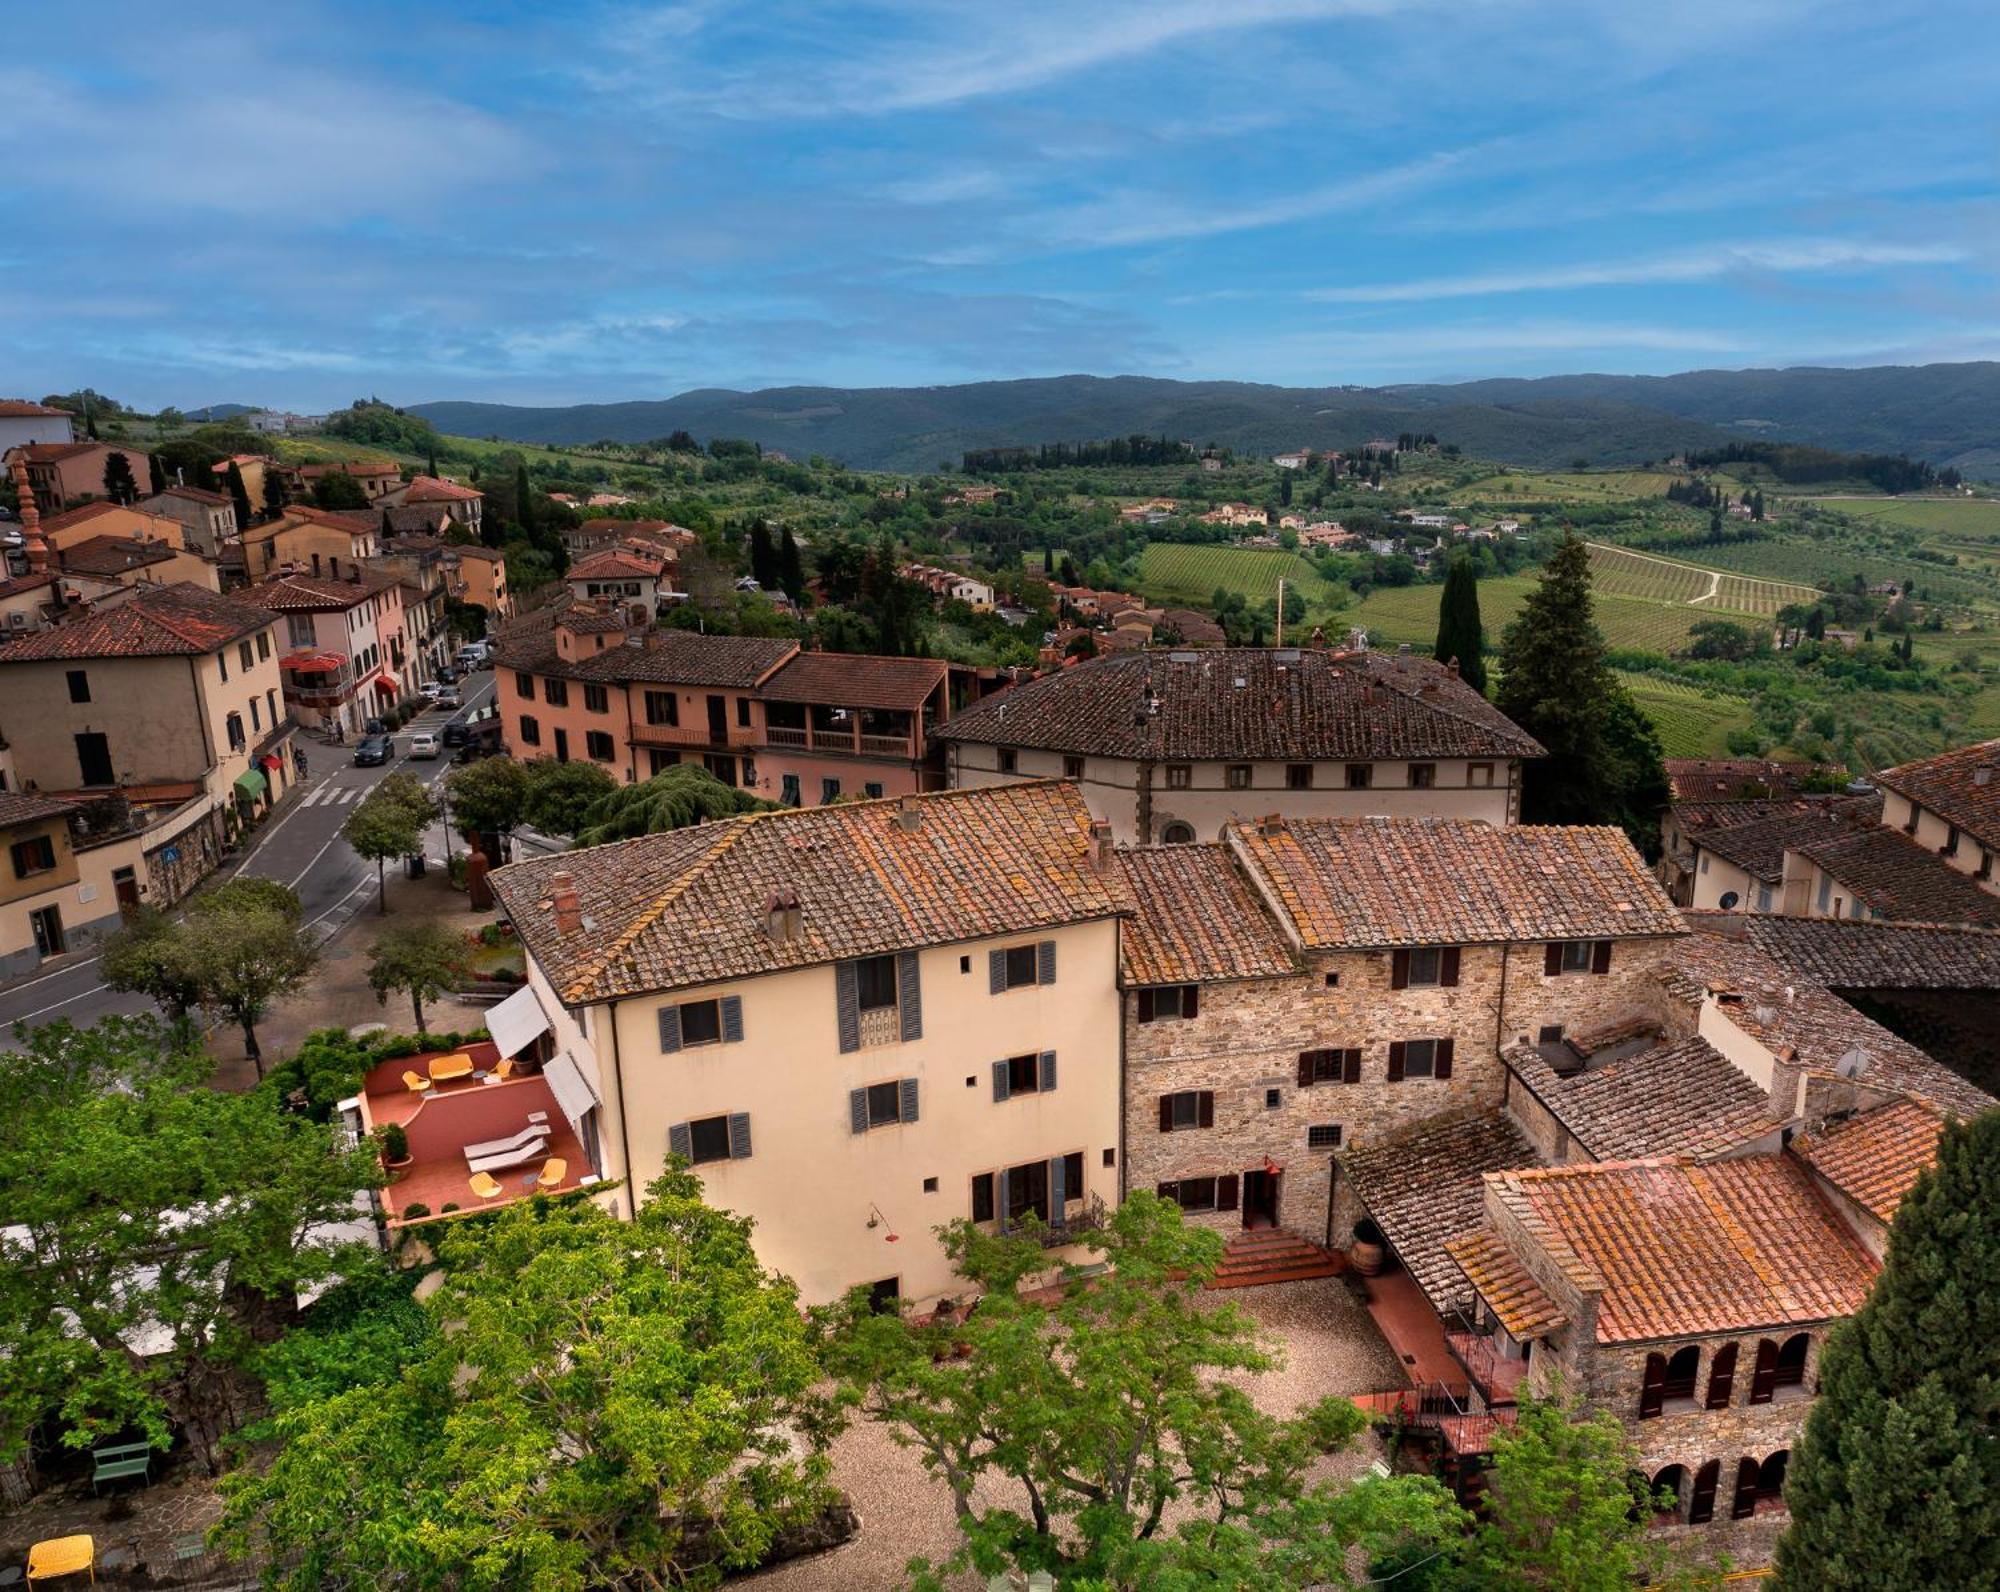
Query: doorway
(1260, 1198)
(718, 720)
(93, 758)
(48, 927)
(125, 883)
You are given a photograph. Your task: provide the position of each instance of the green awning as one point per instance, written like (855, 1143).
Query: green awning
(250, 783)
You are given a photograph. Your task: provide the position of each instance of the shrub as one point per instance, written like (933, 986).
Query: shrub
(395, 1142)
(414, 1210)
(448, 1207)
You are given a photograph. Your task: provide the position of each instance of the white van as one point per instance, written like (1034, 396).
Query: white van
(423, 743)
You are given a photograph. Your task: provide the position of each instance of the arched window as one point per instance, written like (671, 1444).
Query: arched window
(1682, 1370)
(1771, 1480)
(1722, 1377)
(1701, 1502)
(1790, 1369)
(1668, 1487)
(1652, 1386)
(1765, 1376)
(1178, 834)
(1744, 1504)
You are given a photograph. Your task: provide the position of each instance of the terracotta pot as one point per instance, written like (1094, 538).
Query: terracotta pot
(1365, 1258)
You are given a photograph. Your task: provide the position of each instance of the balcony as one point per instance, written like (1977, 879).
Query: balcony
(1495, 1375)
(779, 735)
(1089, 1218)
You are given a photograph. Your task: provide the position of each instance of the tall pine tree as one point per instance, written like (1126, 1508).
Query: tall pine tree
(1897, 1482)
(763, 556)
(1460, 634)
(238, 493)
(524, 502)
(791, 568)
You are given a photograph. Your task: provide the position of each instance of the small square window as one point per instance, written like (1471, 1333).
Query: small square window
(1273, 1098)
(1360, 775)
(1110, 1157)
(1323, 1136)
(710, 1138)
(972, 1083)
(1008, 760)
(1423, 776)
(930, 1185)
(1183, 1111)
(1298, 776)
(701, 1023)
(885, 1104)
(1238, 776)
(1576, 956)
(1179, 776)
(1024, 1074)
(965, 964)
(1333, 981)
(885, 1297)
(872, 790)
(1479, 775)
(1072, 767)
(1020, 967)
(1419, 1058)
(1424, 965)
(1551, 1034)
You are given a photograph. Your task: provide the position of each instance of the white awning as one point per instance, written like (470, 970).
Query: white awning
(566, 1082)
(516, 1021)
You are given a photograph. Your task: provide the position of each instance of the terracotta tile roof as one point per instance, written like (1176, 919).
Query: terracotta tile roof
(416, 517)
(1674, 1249)
(1820, 1028)
(17, 584)
(194, 494)
(613, 563)
(113, 555)
(489, 555)
(21, 409)
(1949, 786)
(56, 452)
(312, 472)
(1196, 918)
(848, 680)
(1758, 846)
(1697, 818)
(1875, 1158)
(1424, 1188)
(317, 593)
(619, 527)
(168, 621)
(169, 527)
(1722, 779)
(429, 489)
(684, 908)
(1291, 706)
(1446, 881)
(1845, 954)
(1887, 872)
(1685, 1098)
(685, 657)
(1499, 1278)
(22, 807)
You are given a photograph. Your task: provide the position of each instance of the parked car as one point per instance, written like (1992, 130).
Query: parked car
(456, 735)
(371, 750)
(448, 697)
(447, 675)
(423, 744)
(375, 727)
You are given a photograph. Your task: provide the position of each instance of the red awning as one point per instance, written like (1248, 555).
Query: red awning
(310, 661)
(385, 684)
(272, 761)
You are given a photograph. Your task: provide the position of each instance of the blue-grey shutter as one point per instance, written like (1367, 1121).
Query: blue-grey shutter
(739, 1135)
(847, 1005)
(1045, 1075)
(857, 1110)
(906, 1103)
(1045, 962)
(680, 1141)
(670, 1028)
(996, 972)
(999, 1080)
(1057, 1193)
(1002, 1204)
(732, 1019)
(910, 995)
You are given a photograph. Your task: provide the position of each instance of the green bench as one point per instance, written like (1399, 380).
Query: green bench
(121, 1459)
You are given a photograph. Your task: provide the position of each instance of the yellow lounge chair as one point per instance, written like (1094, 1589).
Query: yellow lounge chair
(554, 1170)
(484, 1185)
(415, 1082)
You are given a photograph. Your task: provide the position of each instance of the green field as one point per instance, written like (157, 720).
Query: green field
(1691, 722)
(1409, 613)
(1191, 573)
(1623, 572)
(1976, 519)
(1532, 486)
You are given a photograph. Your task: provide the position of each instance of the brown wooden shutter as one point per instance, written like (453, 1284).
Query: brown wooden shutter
(1396, 1061)
(1441, 1067)
(1225, 1192)
(1399, 970)
(1448, 967)
(1600, 957)
(1166, 1113)
(1350, 1066)
(1204, 1103)
(1653, 1389)
(1701, 1507)
(1765, 1377)
(1305, 1069)
(1722, 1377)
(1744, 1505)
(1552, 958)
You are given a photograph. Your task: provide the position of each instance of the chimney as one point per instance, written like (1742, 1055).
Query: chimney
(783, 917)
(654, 640)
(1271, 824)
(1453, 666)
(1983, 774)
(563, 902)
(1100, 844)
(909, 815)
(33, 548)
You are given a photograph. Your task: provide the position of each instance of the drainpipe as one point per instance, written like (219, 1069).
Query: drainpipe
(1124, 1091)
(1145, 812)
(624, 1122)
(1500, 1009)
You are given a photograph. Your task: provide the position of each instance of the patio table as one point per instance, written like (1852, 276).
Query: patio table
(56, 1556)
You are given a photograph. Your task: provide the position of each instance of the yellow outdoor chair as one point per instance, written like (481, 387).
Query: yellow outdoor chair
(505, 1069)
(554, 1170)
(484, 1185)
(415, 1082)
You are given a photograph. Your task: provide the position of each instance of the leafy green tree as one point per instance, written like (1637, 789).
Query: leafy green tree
(1460, 634)
(1721, 639)
(425, 959)
(246, 945)
(232, 483)
(156, 1210)
(1066, 1426)
(672, 799)
(120, 485)
(1897, 1481)
(336, 489)
(489, 796)
(524, 501)
(560, 794)
(389, 822)
(147, 957)
(276, 495)
(615, 1404)
(170, 419)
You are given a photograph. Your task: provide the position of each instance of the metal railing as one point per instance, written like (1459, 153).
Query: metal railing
(1091, 1218)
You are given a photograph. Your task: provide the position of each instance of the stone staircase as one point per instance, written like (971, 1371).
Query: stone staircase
(1270, 1254)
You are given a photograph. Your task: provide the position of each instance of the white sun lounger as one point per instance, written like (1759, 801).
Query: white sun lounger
(536, 1151)
(537, 1128)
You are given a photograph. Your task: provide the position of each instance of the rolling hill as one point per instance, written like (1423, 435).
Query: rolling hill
(1947, 413)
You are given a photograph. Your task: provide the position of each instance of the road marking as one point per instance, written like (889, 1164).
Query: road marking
(56, 1006)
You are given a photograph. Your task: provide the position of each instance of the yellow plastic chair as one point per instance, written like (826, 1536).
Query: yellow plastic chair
(447, 1069)
(554, 1170)
(415, 1082)
(505, 1069)
(484, 1185)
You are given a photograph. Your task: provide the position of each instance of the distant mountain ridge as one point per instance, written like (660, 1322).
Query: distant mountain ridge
(1949, 414)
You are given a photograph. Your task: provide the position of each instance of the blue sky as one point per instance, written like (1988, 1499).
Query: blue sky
(561, 202)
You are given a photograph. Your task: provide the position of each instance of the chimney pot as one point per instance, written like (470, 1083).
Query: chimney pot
(1983, 774)
(1453, 667)
(909, 815)
(1271, 824)
(783, 917)
(1100, 844)
(563, 902)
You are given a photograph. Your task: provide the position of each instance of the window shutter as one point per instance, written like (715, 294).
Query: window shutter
(1145, 1006)
(732, 1019)
(906, 1102)
(1653, 1389)
(1166, 1113)
(1701, 1507)
(1600, 957)
(1191, 1001)
(996, 972)
(1225, 1192)
(1204, 1108)
(1045, 962)
(1350, 1066)
(739, 1136)
(680, 1141)
(1745, 1503)
(999, 1080)
(1448, 967)
(1442, 1065)
(857, 1110)
(1396, 1061)
(1765, 1377)
(1305, 1069)
(1006, 1202)
(1552, 958)
(910, 995)
(1399, 970)
(847, 1005)
(1057, 1193)
(670, 1028)
(1722, 1377)
(1045, 1074)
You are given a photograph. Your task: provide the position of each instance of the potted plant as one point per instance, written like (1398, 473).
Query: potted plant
(395, 1147)
(1364, 1251)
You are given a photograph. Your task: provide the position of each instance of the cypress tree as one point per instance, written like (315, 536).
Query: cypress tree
(763, 556)
(1460, 634)
(238, 493)
(524, 506)
(1896, 1483)
(791, 568)
(1556, 686)
(158, 472)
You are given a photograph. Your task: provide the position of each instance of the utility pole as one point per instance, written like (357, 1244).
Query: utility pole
(1281, 611)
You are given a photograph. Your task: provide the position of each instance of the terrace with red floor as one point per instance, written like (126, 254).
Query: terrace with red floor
(479, 1107)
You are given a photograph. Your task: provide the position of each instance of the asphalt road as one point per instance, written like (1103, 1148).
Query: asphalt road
(301, 847)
